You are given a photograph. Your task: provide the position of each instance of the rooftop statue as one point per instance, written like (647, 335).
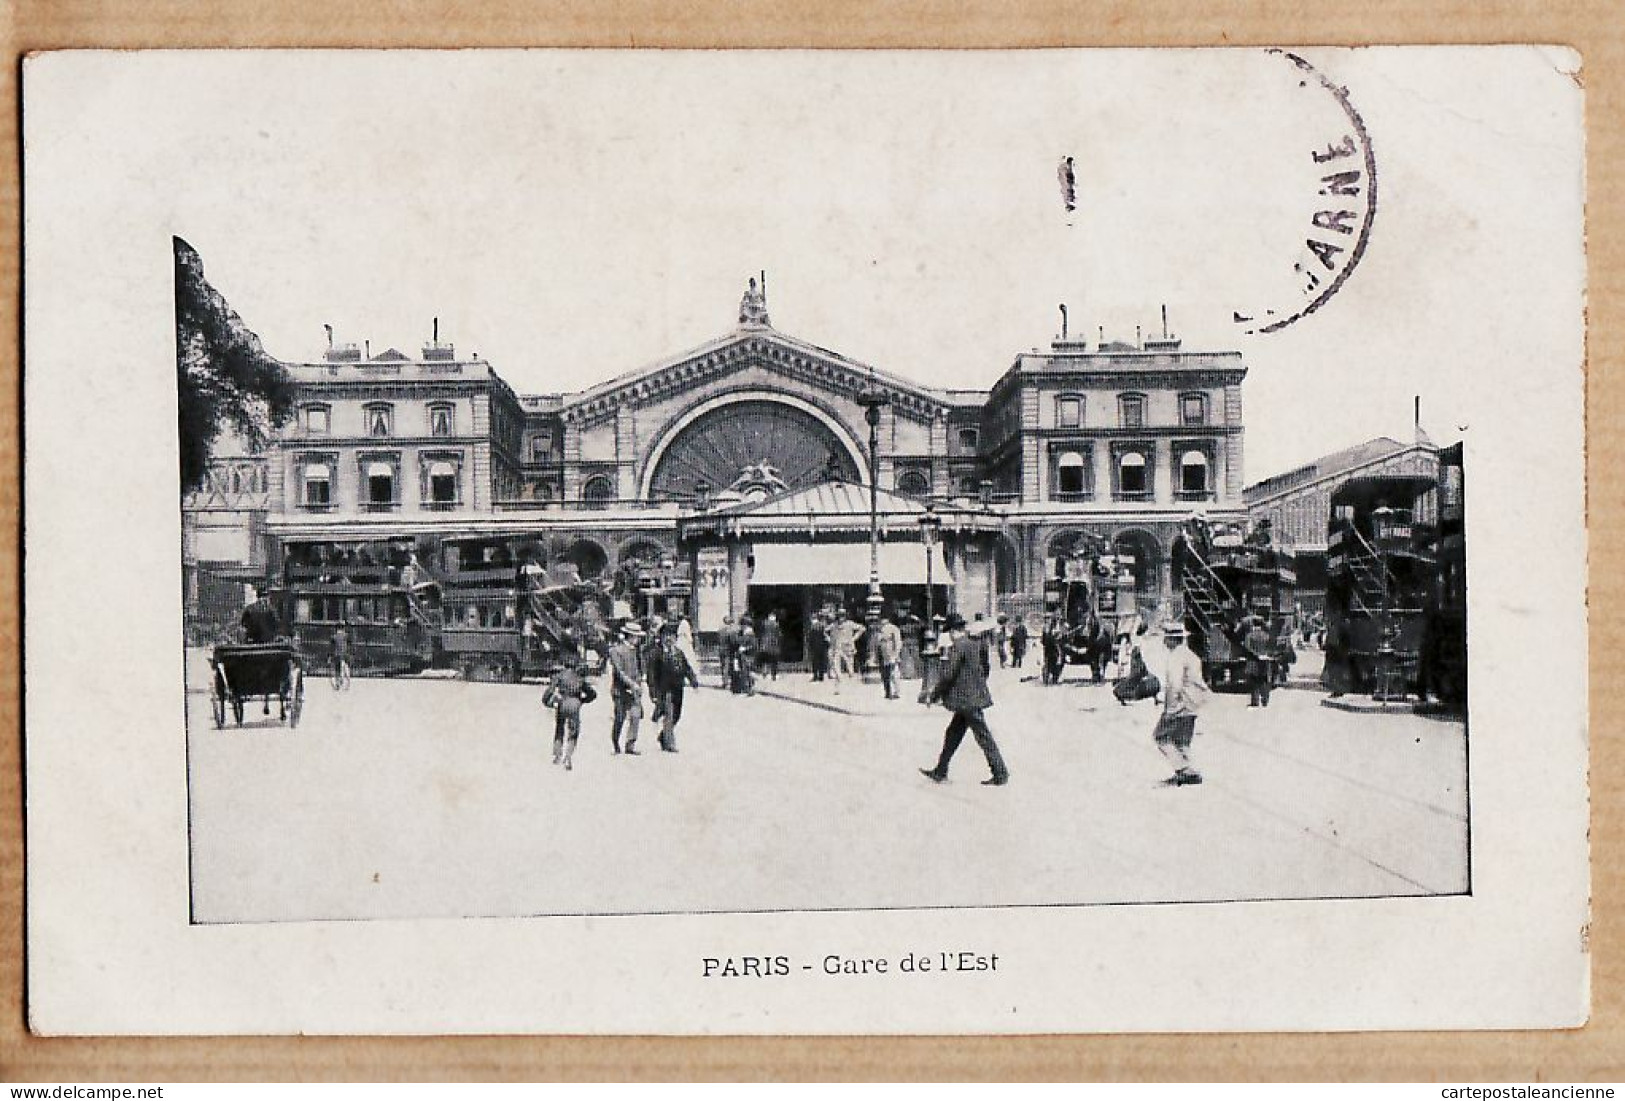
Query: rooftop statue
(753, 306)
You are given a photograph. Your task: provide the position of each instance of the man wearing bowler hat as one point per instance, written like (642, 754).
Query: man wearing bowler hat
(962, 688)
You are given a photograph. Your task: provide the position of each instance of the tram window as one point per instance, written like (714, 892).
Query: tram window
(301, 610)
(358, 609)
(396, 605)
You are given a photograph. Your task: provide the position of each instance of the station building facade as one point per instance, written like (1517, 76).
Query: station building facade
(746, 465)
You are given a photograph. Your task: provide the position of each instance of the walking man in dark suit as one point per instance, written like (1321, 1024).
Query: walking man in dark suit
(669, 673)
(962, 688)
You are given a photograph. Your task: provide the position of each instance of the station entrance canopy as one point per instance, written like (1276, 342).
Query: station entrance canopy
(844, 563)
(836, 512)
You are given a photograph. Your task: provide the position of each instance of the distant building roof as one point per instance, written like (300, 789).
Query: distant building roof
(392, 355)
(1328, 466)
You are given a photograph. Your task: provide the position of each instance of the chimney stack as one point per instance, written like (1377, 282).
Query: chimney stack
(1165, 321)
(1063, 320)
(369, 349)
(437, 330)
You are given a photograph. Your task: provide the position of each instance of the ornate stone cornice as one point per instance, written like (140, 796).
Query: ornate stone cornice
(791, 363)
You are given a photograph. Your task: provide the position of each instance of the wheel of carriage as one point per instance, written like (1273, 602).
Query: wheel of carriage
(295, 695)
(217, 703)
(237, 709)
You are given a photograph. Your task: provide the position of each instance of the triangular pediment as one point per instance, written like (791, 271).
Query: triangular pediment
(754, 347)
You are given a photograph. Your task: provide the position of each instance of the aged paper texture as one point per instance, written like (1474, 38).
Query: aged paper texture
(1256, 368)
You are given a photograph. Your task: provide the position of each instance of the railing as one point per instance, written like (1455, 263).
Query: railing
(1133, 495)
(1195, 495)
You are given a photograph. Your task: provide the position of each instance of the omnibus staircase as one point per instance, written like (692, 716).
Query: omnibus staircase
(553, 615)
(1205, 592)
(1372, 595)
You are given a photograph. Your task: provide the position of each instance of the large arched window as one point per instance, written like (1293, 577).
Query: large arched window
(598, 492)
(1195, 482)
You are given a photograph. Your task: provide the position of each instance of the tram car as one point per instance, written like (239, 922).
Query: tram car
(506, 617)
(1382, 577)
(390, 608)
(1224, 574)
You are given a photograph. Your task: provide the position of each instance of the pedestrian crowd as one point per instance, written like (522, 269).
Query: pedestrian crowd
(656, 659)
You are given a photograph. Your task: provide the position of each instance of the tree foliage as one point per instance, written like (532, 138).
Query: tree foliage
(224, 378)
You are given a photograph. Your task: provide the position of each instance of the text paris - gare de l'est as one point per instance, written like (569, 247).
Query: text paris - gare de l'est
(768, 967)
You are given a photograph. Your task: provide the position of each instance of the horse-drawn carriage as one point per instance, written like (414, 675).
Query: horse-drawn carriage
(265, 671)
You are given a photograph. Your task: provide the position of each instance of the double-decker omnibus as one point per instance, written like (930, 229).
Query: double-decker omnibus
(1223, 574)
(1382, 576)
(507, 617)
(389, 606)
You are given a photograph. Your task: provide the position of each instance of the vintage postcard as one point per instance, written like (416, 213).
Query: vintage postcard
(805, 542)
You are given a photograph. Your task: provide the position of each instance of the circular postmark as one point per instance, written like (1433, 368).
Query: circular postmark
(1334, 200)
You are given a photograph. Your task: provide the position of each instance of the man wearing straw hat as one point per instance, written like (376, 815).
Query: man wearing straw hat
(626, 687)
(1183, 693)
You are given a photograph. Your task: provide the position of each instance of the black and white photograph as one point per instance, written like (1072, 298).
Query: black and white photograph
(912, 540)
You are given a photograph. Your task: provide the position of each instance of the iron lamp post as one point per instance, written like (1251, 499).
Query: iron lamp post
(873, 400)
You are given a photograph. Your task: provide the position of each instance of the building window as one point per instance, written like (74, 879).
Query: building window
(378, 484)
(318, 485)
(1193, 409)
(317, 419)
(598, 491)
(380, 420)
(1131, 411)
(443, 483)
(1133, 477)
(541, 447)
(913, 483)
(440, 419)
(1194, 483)
(970, 438)
(1069, 411)
(1071, 475)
